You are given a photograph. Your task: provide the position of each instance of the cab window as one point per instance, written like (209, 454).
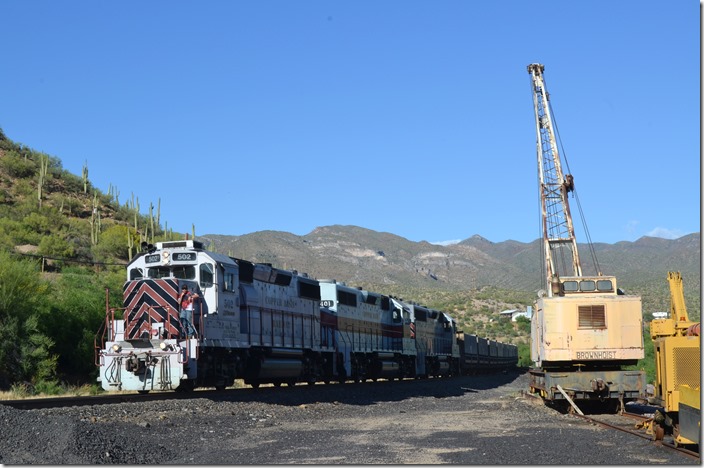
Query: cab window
(136, 273)
(230, 283)
(206, 275)
(158, 272)
(184, 272)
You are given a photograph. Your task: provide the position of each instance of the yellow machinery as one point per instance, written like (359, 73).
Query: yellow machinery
(678, 364)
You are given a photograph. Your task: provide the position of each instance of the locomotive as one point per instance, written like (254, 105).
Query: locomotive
(267, 325)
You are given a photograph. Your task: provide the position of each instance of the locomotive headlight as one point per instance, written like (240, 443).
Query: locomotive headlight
(165, 346)
(116, 348)
(165, 255)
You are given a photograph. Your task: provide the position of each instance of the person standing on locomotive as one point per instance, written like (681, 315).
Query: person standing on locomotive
(185, 300)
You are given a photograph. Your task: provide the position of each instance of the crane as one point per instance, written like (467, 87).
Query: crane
(584, 329)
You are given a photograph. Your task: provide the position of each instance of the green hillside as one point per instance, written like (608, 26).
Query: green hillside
(62, 243)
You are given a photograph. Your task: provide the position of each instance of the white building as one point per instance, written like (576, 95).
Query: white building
(515, 313)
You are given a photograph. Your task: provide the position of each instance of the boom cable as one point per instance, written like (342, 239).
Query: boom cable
(590, 244)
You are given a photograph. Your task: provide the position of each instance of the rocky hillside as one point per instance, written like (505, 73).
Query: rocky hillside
(363, 257)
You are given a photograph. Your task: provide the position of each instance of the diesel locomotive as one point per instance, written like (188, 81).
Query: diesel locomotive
(267, 325)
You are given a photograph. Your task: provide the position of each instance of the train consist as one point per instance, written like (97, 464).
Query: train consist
(267, 325)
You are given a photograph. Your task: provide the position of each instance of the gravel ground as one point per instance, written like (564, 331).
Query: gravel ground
(467, 420)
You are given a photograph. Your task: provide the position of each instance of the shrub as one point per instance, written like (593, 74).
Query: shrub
(55, 246)
(17, 166)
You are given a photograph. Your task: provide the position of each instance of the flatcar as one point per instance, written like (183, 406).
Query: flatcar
(267, 325)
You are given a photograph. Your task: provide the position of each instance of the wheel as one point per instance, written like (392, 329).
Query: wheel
(291, 383)
(255, 384)
(185, 386)
(143, 392)
(277, 384)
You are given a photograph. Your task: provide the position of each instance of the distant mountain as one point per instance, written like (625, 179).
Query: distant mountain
(362, 256)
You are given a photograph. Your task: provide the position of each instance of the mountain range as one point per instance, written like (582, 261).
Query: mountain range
(362, 257)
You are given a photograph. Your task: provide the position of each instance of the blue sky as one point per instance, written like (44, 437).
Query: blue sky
(409, 117)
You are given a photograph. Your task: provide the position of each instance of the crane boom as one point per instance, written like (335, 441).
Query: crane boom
(678, 309)
(559, 242)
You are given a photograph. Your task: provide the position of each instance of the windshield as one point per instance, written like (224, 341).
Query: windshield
(181, 272)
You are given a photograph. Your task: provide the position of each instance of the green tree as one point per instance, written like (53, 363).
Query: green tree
(77, 312)
(25, 351)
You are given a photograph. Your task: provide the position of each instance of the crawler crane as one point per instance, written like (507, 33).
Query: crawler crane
(678, 366)
(584, 329)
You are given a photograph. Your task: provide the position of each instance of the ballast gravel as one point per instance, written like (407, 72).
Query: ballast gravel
(466, 420)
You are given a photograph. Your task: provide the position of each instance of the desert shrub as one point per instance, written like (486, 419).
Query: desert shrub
(55, 246)
(524, 355)
(112, 244)
(17, 166)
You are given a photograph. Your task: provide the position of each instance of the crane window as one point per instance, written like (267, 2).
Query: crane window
(587, 285)
(570, 286)
(604, 285)
(592, 316)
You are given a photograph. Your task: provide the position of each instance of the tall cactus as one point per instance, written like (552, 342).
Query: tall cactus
(136, 212)
(193, 231)
(130, 244)
(43, 171)
(158, 213)
(94, 220)
(151, 219)
(85, 177)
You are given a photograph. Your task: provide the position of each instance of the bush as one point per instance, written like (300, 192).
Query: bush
(524, 359)
(112, 244)
(55, 246)
(17, 166)
(25, 351)
(51, 387)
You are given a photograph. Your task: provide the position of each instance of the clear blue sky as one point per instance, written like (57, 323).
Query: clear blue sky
(409, 117)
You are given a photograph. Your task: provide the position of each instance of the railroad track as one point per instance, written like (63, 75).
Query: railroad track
(625, 422)
(267, 393)
(60, 402)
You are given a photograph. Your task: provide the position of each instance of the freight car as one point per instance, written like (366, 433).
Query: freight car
(268, 325)
(481, 355)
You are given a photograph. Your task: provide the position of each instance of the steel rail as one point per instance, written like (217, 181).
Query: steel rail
(642, 435)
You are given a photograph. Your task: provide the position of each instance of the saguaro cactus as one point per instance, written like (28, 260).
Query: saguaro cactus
(130, 243)
(43, 171)
(95, 220)
(85, 177)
